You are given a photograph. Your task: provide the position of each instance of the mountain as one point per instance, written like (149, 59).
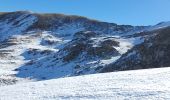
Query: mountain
(150, 84)
(152, 53)
(46, 46)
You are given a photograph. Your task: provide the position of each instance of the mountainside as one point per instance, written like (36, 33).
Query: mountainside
(153, 53)
(46, 46)
(133, 85)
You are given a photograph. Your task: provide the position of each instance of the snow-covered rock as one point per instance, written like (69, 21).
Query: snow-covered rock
(152, 53)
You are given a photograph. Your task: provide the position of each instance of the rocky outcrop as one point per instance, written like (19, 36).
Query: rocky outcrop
(82, 43)
(153, 53)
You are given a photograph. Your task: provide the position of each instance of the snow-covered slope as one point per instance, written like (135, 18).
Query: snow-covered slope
(15, 23)
(154, 52)
(149, 84)
(159, 26)
(48, 46)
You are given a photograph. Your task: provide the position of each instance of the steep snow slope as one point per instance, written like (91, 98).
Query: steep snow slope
(149, 84)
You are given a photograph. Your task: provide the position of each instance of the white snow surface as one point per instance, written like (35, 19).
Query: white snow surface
(17, 55)
(148, 84)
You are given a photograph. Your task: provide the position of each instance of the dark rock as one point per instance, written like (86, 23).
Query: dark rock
(153, 53)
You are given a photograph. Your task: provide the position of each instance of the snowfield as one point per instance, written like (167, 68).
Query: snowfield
(148, 84)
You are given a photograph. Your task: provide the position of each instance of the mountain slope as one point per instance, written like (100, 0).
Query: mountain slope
(141, 84)
(47, 46)
(15, 23)
(152, 53)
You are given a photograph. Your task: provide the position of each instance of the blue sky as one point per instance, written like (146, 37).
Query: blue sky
(134, 12)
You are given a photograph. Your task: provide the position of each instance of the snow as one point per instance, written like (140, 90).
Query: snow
(124, 45)
(69, 29)
(17, 55)
(148, 84)
(18, 65)
(159, 26)
(131, 54)
(162, 25)
(31, 72)
(7, 29)
(136, 40)
(109, 61)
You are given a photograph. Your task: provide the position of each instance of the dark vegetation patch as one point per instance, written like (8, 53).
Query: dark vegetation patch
(153, 53)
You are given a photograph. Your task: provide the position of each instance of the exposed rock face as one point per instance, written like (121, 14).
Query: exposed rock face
(83, 43)
(154, 52)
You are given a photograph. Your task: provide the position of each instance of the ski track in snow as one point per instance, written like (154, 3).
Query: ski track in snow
(127, 85)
